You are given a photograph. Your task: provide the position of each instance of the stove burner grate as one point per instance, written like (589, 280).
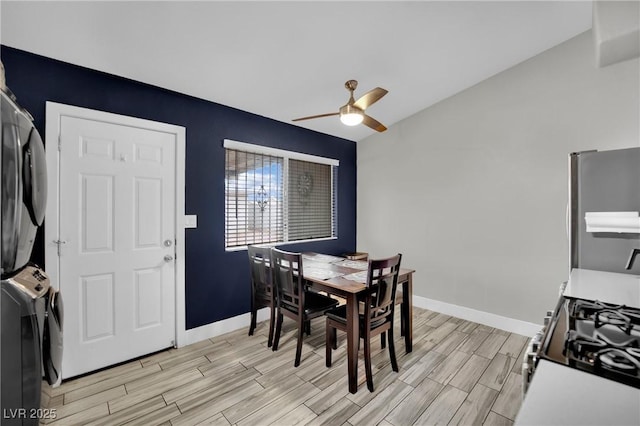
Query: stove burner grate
(617, 359)
(617, 318)
(585, 309)
(580, 345)
(600, 338)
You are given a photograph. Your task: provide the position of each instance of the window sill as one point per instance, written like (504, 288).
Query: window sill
(240, 248)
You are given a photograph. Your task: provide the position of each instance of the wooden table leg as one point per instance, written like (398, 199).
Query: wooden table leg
(352, 341)
(407, 295)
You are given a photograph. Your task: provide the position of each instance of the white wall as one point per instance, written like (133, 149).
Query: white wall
(473, 190)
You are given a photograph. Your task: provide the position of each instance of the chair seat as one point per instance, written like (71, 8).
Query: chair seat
(339, 314)
(315, 302)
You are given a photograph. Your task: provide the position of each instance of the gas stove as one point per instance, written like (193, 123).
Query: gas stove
(596, 337)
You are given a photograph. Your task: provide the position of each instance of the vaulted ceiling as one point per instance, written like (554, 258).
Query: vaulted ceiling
(288, 59)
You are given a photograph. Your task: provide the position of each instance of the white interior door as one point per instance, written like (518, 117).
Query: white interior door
(117, 222)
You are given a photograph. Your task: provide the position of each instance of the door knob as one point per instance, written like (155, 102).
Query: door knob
(167, 243)
(168, 258)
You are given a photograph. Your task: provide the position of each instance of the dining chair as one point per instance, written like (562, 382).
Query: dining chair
(293, 300)
(362, 256)
(376, 313)
(262, 294)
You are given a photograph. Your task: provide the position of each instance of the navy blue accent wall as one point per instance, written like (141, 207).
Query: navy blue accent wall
(217, 282)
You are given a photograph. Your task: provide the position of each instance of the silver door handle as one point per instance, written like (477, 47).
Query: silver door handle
(168, 258)
(167, 243)
(59, 243)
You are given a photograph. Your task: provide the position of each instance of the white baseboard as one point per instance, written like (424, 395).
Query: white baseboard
(217, 328)
(492, 320)
(511, 325)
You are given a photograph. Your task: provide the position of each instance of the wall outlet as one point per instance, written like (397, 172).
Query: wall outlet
(191, 221)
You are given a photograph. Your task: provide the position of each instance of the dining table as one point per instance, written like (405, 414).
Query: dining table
(347, 279)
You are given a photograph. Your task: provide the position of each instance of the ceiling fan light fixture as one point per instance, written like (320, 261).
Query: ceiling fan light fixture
(353, 112)
(350, 115)
(352, 119)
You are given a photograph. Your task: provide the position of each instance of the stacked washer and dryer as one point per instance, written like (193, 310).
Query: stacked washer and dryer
(31, 309)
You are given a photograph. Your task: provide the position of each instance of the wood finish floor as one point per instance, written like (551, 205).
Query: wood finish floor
(458, 373)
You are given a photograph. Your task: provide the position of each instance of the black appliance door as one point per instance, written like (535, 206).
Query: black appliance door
(24, 196)
(52, 337)
(34, 174)
(11, 184)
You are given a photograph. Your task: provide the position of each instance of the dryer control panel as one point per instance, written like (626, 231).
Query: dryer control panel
(33, 281)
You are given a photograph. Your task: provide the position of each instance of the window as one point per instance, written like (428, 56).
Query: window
(275, 196)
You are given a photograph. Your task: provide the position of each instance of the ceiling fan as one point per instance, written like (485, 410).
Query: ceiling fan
(352, 113)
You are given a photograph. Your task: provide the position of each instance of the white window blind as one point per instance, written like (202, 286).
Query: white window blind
(309, 200)
(274, 196)
(253, 198)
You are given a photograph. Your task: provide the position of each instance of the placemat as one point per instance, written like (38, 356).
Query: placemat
(322, 258)
(355, 264)
(320, 273)
(357, 276)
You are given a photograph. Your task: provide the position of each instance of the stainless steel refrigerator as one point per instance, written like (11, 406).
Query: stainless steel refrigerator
(604, 187)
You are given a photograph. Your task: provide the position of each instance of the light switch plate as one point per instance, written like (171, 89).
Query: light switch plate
(191, 221)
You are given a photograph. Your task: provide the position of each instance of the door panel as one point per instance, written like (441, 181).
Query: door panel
(148, 153)
(148, 297)
(97, 225)
(148, 212)
(98, 148)
(98, 313)
(117, 206)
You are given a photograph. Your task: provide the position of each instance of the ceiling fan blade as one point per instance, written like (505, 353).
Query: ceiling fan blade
(316, 116)
(373, 123)
(370, 98)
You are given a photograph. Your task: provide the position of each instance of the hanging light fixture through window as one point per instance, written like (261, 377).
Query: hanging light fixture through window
(262, 198)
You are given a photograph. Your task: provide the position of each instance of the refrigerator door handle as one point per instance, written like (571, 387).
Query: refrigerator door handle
(632, 258)
(572, 209)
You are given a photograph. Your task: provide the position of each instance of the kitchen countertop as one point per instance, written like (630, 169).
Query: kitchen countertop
(610, 287)
(559, 395)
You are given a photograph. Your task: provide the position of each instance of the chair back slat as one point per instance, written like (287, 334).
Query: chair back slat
(286, 268)
(382, 281)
